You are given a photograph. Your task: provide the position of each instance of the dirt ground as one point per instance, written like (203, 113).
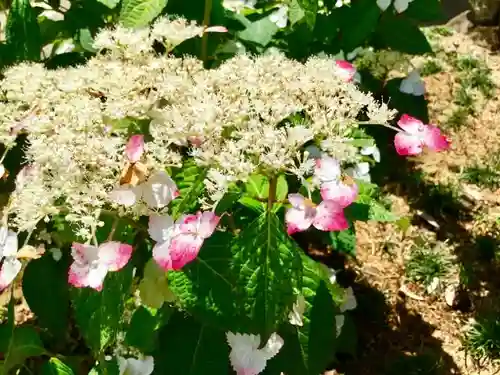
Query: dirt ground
(402, 328)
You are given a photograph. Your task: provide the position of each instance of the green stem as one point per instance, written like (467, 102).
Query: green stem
(206, 22)
(273, 185)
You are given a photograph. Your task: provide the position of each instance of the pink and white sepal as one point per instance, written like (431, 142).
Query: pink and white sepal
(328, 216)
(178, 244)
(416, 135)
(91, 264)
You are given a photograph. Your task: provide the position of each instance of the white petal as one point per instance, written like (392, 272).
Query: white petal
(401, 5)
(124, 195)
(297, 313)
(339, 322)
(273, 345)
(8, 271)
(383, 4)
(349, 301)
(160, 227)
(159, 190)
(2, 170)
(10, 244)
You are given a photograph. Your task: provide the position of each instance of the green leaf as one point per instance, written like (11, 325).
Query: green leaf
(358, 22)
(56, 367)
(190, 348)
(86, 40)
(347, 342)
(212, 300)
(258, 186)
(190, 180)
(260, 32)
(344, 241)
(111, 4)
(139, 13)
(143, 329)
(17, 344)
(426, 11)
(45, 288)
(310, 8)
(268, 268)
(22, 32)
(402, 34)
(99, 314)
(295, 12)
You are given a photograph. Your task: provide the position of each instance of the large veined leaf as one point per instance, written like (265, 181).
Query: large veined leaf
(365, 15)
(56, 367)
(17, 344)
(143, 329)
(22, 32)
(268, 268)
(206, 287)
(99, 314)
(309, 348)
(111, 4)
(139, 13)
(260, 32)
(45, 288)
(191, 183)
(189, 348)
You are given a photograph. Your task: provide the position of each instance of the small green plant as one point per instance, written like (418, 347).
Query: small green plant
(487, 176)
(427, 263)
(431, 67)
(482, 339)
(458, 118)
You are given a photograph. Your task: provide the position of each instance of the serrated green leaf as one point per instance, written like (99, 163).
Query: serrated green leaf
(190, 180)
(258, 186)
(260, 32)
(139, 13)
(86, 40)
(22, 32)
(268, 268)
(45, 288)
(17, 344)
(365, 14)
(310, 8)
(214, 299)
(190, 348)
(295, 12)
(56, 367)
(99, 314)
(401, 34)
(111, 4)
(142, 332)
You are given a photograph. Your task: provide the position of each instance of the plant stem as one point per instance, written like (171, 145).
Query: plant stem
(273, 185)
(206, 22)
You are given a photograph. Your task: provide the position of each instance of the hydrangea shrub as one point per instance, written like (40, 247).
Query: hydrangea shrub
(157, 202)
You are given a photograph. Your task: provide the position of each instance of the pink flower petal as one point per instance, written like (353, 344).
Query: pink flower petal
(184, 248)
(340, 193)
(8, 271)
(115, 255)
(84, 275)
(161, 255)
(434, 139)
(345, 70)
(298, 220)
(207, 223)
(407, 144)
(330, 217)
(410, 124)
(135, 148)
(296, 200)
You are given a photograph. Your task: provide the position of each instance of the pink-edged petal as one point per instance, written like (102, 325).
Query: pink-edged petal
(340, 193)
(135, 148)
(327, 169)
(124, 195)
(159, 190)
(188, 224)
(160, 227)
(92, 276)
(435, 140)
(114, 255)
(8, 271)
(298, 220)
(345, 70)
(207, 223)
(297, 200)
(82, 253)
(184, 248)
(407, 144)
(330, 217)
(410, 124)
(216, 29)
(161, 255)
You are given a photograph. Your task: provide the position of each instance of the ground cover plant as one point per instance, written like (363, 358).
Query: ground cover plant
(166, 167)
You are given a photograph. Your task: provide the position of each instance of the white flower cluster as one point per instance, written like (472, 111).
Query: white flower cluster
(229, 118)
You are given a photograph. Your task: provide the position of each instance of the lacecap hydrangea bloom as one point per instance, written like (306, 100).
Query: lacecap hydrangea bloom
(226, 119)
